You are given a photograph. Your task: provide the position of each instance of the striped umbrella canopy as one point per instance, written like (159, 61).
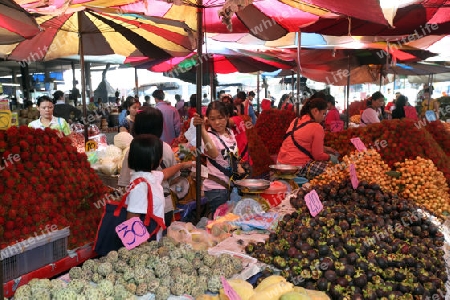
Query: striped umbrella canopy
(223, 61)
(102, 34)
(15, 23)
(270, 20)
(266, 19)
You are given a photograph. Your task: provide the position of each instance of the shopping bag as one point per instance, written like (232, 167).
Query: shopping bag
(107, 239)
(115, 214)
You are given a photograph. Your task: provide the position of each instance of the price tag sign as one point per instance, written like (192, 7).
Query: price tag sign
(91, 146)
(359, 145)
(353, 176)
(336, 126)
(132, 232)
(313, 202)
(229, 291)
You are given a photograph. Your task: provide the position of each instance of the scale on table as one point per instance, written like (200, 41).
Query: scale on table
(285, 174)
(252, 190)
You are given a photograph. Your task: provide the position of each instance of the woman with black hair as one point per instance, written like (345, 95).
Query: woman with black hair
(150, 121)
(372, 114)
(46, 117)
(221, 150)
(284, 102)
(403, 109)
(399, 111)
(304, 140)
(132, 106)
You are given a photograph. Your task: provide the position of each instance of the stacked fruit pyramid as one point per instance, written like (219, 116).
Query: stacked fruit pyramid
(397, 140)
(364, 244)
(44, 181)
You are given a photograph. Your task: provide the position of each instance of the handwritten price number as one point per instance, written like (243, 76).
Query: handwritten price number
(229, 291)
(353, 176)
(132, 232)
(91, 146)
(337, 126)
(313, 202)
(359, 145)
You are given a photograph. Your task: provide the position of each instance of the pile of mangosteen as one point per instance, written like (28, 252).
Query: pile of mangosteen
(364, 244)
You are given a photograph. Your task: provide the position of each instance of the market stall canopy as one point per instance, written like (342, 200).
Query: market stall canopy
(15, 23)
(225, 61)
(357, 75)
(268, 19)
(421, 79)
(102, 34)
(422, 18)
(417, 69)
(331, 66)
(334, 59)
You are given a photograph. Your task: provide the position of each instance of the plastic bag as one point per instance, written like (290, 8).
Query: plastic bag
(182, 232)
(264, 221)
(108, 167)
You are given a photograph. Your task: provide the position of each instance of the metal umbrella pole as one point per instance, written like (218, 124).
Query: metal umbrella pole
(198, 178)
(211, 80)
(83, 78)
(299, 69)
(258, 109)
(348, 93)
(136, 81)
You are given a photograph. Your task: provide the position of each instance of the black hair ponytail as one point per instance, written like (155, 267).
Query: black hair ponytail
(310, 104)
(305, 109)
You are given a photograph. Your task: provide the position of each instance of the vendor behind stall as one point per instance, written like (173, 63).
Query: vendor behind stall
(46, 117)
(373, 114)
(303, 145)
(220, 147)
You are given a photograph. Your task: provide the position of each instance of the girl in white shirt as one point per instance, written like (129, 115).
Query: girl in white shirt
(145, 188)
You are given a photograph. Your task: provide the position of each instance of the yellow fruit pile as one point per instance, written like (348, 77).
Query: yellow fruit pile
(421, 181)
(355, 119)
(274, 287)
(368, 165)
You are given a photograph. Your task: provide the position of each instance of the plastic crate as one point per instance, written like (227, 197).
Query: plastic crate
(37, 252)
(11, 267)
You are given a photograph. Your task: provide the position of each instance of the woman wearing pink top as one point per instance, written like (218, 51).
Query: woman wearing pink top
(220, 148)
(332, 117)
(303, 143)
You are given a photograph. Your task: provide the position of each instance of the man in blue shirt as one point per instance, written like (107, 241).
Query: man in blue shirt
(171, 117)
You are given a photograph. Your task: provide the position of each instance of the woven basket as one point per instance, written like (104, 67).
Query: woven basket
(109, 180)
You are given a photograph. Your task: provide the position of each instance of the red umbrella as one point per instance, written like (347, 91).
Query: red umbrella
(15, 23)
(224, 62)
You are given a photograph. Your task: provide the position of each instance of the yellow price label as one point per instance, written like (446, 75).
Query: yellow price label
(91, 146)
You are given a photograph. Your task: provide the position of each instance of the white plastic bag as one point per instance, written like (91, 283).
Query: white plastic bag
(191, 135)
